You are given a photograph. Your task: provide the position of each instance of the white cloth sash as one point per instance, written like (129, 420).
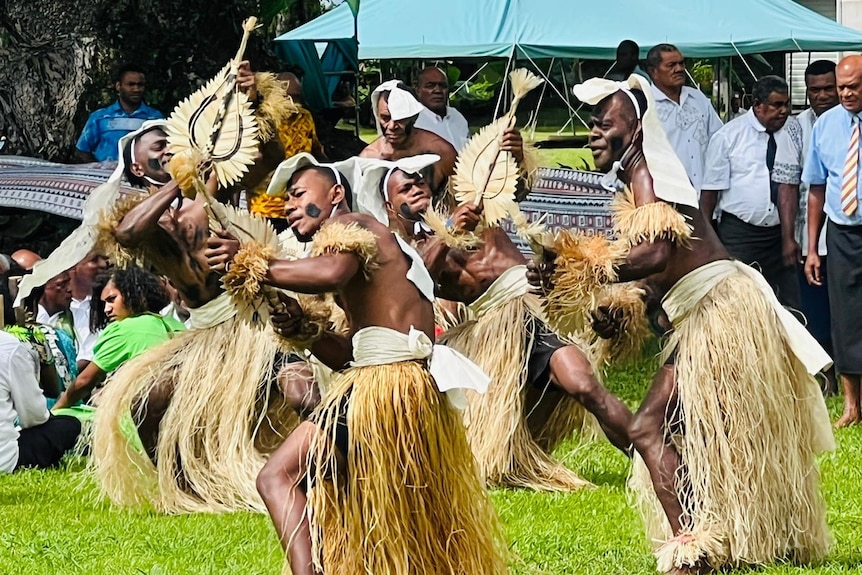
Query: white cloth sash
(452, 371)
(694, 286)
(212, 313)
(511, 284)
(417, 274)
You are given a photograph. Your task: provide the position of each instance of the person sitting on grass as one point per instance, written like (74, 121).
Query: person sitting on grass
(132, 299)
(29, 435)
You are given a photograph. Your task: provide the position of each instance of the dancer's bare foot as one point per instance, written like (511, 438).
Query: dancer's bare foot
(850, 417)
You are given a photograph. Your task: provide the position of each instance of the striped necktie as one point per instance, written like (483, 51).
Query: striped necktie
(849, 200)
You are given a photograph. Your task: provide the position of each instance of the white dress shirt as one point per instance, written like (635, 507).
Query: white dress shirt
(20, 396)
(806, 121)
(85, 339)
(689, 125)
(452, 127)
(736, 167)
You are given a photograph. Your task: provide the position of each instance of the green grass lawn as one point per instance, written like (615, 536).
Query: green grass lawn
(51, 523)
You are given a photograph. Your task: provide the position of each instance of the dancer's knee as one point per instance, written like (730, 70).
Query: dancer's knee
(573, 372)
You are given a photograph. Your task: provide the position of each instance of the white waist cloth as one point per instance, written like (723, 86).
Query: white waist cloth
(452, 371)
(512, 283)
(694, 286)
(212, 313)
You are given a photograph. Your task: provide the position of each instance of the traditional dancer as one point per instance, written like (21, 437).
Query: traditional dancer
(539, 383)
(731, 426)
(385, 428)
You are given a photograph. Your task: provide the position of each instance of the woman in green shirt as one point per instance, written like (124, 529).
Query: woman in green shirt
(132, 298)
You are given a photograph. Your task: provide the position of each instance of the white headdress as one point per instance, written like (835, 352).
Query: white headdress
(670, 180)
(402, 104)
(82, 241)
(376, 173)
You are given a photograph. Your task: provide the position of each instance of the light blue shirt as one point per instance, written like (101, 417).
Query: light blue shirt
(825, 162)
(105, 127)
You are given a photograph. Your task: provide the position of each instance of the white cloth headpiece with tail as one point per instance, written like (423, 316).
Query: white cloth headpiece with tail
(670, 180)
(82, 241)
(402, 104)
(348, 169)
(375, 175)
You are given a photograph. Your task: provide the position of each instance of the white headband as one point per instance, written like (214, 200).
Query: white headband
(670, 180)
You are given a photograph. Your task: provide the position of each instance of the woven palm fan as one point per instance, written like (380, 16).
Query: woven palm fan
(215, 124)
(485, 175)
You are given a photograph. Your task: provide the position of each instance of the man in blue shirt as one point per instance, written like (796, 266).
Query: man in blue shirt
(105, 127)
(832, 172)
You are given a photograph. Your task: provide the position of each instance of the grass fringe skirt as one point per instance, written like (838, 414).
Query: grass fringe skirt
(511, 450)
(225, 415)
(749, 482)
(411, 501)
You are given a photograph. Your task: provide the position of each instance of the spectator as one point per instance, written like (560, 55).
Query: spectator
(104, 128)
(132, 300)
(432, 89)
(736, 109)
(82, 276)
(752, 173)
(626, 63)
(39, 439)
(822, 94)
(54, 307)
(688, 118)
(832, 173)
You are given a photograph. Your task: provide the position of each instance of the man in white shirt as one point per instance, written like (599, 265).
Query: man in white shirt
(38, 439)
(82, 277)
(687, 115)
(432, 89)
(626, 63)
(54, 301)
(753, 169)
(822, 93)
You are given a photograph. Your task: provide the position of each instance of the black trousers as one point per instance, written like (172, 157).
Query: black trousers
(760, 247)
(44, 445)
(844, 267)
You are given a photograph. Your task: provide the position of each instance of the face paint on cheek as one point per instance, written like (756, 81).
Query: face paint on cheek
(616, 144)
(154, 165)
(405, 211)
(312, 211)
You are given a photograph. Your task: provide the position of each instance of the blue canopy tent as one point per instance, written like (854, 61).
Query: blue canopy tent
(531, 29)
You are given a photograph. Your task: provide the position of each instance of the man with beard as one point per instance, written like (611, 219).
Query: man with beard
(343, 494)
(396, 109)
(737, 366)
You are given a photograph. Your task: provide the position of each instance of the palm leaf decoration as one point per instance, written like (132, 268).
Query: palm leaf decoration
(485, 175)
(215, 124)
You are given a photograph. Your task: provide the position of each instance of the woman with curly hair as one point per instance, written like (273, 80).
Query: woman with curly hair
(132, 299)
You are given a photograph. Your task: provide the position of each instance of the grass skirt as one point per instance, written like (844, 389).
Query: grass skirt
(411, 501)
(225, 415)
(752, 422)
(511, 449)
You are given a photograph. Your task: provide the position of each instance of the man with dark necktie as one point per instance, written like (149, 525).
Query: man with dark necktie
(753, 168)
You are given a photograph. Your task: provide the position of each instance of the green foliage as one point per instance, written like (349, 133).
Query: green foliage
(52, 523)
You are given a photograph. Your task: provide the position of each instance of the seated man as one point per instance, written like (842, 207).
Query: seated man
(395, 110)
(540, 384)
(38, 439)
(737, 367)
(350, 502)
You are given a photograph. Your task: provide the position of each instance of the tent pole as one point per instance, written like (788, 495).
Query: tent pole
(539, 103)
(741, 57)
(505, 85)
(566, 92)
(565, 99)
(356, 77)
(465, 82)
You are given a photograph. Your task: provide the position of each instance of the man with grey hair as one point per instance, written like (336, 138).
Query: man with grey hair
(686, 114)
(753, 173)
